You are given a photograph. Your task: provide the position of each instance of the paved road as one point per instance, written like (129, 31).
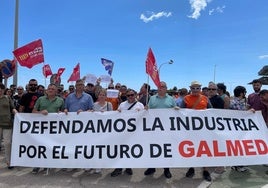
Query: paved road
(21, 177)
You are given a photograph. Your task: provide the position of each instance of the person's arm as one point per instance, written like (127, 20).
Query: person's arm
(12, 106)
(66, 105)
(62, 106)
(37, 107)
(226, 102)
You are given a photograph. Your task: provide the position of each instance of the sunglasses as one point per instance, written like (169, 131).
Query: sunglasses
(195, 88)
(130, 95)
(211, 89)
(32, 84)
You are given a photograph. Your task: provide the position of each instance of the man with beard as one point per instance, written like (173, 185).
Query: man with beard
(254, 98)
(27, 103)
(28, 99)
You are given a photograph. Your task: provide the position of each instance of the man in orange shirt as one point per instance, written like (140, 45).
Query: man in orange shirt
(195, 100)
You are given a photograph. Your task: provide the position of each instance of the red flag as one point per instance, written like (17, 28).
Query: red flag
(60, 71)
(76, 73)
(30, 54)
(47, 70)
(151, 67)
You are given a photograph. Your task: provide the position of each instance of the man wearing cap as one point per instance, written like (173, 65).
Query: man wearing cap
(195, 100)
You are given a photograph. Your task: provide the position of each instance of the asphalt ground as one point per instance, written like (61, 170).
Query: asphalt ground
(21, 177)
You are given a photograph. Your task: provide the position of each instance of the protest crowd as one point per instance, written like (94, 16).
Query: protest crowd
(81, 97)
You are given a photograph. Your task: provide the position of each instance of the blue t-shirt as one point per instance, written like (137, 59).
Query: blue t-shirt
(161, 102)
(73, 104)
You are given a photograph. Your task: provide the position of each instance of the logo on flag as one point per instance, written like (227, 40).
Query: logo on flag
(151, 67)
(47, 70)
(108, 64)
(30, 54)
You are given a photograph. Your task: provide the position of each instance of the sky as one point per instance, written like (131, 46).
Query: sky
(208, 40)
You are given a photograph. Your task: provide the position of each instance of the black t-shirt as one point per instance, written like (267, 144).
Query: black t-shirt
(217, 102)
(92, 94)
(28, 100)
(16, 100)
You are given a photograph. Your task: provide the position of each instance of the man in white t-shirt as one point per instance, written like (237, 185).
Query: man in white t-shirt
(130, 104)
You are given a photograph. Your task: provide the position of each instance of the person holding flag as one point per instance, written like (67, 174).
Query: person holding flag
(161, 100)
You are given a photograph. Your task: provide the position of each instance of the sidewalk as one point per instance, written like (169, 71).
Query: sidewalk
(21, 177)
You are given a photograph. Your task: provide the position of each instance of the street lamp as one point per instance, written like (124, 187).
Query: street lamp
(169, 62)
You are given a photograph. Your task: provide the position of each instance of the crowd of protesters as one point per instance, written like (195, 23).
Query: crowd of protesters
(36, 98)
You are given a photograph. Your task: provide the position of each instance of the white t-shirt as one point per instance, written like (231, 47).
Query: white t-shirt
(125, 105)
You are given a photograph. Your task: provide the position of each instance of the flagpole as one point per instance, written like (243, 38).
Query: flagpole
(16, 29)
(147, 97)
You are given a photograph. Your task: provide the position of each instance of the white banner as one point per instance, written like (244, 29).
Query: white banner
(147, 138)
(105, 78)
(91, 78)
(112, 93)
